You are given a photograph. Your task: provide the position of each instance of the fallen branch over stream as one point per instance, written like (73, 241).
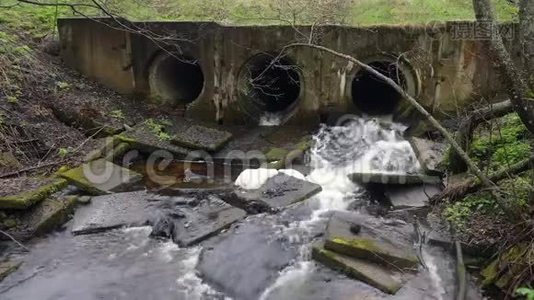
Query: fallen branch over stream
(512, 214)
(471, 185)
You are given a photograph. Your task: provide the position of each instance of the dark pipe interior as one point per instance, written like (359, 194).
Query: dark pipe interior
(272, 86)
(372, 95)
(182, 78)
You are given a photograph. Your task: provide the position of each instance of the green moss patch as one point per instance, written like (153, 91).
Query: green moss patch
(372, 250)
(370, 273)
(40, 219)
(8, 267)
(29, 198)
(504, 271)
(100, 177)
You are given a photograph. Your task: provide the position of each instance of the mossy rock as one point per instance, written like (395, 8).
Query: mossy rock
(372, 250)
(27, 199)
(375, 275)
(143, 138)
(42, 218)
(104, 177)
(502, 271)
(8, 267)
(276, 154)
(382, 247)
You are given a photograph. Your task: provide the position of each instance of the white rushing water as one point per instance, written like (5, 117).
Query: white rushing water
(360, 145)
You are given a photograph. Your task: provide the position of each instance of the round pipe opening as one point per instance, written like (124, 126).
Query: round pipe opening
(269, 85)
(374, 96)
(175, 79)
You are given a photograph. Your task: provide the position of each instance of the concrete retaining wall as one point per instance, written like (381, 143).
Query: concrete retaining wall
(446, 74)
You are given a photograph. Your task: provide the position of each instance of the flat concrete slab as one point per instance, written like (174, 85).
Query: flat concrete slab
(368, 243)
(375, 275)
(201, 137)
(246, 260)
(412, 196)
(40, 189)
(101, 177)
(389, 178)
(145, 138)
(280, 191)
(112, 211)
(210, 217)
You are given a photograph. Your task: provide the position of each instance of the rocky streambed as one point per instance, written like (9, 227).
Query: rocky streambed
(350, 224)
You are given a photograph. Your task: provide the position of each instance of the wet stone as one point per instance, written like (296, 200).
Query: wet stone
(8, 267)
(280, 191)
(203, 138)
(112, 211)
(207, 219)
(373, 244)
(413, 196)
(245, 260)
(101, 177)
(389, 178)
(430, 154)
(42, 218)
(375, 275)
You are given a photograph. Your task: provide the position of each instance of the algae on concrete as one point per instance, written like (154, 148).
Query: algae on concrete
(27, 199)
(100, 177)
(375, 275)
(8, 267)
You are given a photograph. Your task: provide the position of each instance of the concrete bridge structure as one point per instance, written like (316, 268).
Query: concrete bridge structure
(226, 74)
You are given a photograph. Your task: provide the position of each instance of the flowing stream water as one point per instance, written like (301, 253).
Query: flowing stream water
(264, 257)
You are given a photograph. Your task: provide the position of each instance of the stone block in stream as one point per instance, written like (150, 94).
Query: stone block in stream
(201, 137)
(205, 220)
(373, 274)
(391, 178)
(8, 267)
(101, 177)
(378, 243)
(41, 218)
(29, 191)
(244, 261)
(412, 196)
(112, 211)
(278, 191)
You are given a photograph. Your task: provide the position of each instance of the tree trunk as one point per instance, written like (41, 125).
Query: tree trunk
(526, 34)
(511, 76)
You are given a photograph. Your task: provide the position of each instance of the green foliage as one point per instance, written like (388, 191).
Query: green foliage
(528, 293)
(63, 152)
(117, 114)
(516, 191)
(158, 128)
(12, 99)
(39, 21)
(500, 148)
(62, 85)
(459, 212)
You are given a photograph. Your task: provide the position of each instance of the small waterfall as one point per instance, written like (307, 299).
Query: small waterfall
(360, 145)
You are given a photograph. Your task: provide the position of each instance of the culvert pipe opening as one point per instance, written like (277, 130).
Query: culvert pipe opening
(269, 85)
(374, 96)
(175, 79)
